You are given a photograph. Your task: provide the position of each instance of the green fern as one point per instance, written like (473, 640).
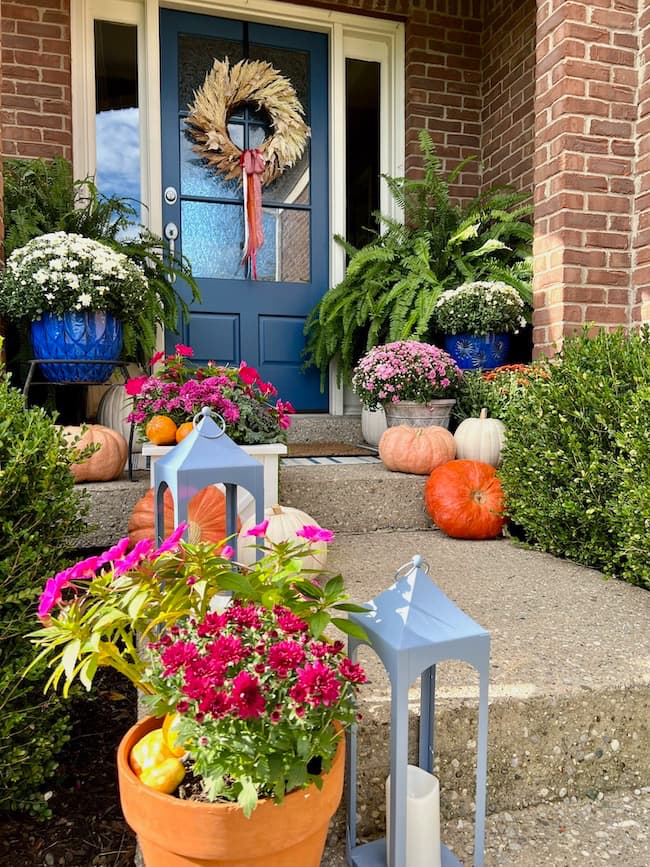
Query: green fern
(391, 285)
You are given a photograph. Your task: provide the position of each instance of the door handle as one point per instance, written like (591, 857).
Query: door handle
(171, 234)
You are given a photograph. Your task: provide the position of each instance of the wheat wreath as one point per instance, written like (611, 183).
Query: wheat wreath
(250, 81)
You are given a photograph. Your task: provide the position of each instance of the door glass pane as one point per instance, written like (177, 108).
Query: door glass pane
(362, 91)
(213, 240)
(199, 180)
(196, 56)
(117, 130)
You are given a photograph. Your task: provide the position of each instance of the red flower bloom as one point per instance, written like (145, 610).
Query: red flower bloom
(285, 655)
(181, 349)
(352, 672)
(320, 684)
(248, 375)
(247, 699)
(134, 386)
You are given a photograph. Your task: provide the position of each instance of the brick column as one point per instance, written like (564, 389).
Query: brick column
(641, 273)
(585, 107)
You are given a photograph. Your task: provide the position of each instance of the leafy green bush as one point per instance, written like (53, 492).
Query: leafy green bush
(631, 510)
(40, 514)
(571, 452)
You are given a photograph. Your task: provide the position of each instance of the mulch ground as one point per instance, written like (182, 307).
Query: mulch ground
(87, 828)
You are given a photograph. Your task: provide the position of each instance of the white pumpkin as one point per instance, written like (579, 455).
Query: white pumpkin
(480, 439)
(282, 526)
(112, 411)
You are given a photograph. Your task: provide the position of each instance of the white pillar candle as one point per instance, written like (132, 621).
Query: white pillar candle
(422, 818)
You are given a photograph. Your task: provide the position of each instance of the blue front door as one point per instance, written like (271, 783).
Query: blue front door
(259, 321)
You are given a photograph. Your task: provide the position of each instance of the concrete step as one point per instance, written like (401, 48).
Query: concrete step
(569, 677)
(612, 828)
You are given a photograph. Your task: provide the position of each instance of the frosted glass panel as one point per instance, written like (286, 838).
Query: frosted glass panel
(199, 180)
(214, 236)
(196, 55)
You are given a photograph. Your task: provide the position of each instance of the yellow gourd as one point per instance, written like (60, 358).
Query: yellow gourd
(164, 777)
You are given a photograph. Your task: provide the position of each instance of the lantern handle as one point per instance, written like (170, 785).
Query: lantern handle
(205, 412)
(416, 562)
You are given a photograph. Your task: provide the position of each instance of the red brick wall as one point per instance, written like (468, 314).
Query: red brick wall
(36, 94)
(508, 82)
(641, 272)
(585, 108)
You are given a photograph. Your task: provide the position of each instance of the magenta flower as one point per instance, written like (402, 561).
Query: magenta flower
(352, 672)
(51, 594)
(171, 541)
(248, 374)
(140, 552)
(247, 697)
(177, 656)
(313, 533)
(186, 351)
(156, 358)
(228, 552)
(285, 655)
(114, 553)
(134, 386)
(320, 684)
(258, 529)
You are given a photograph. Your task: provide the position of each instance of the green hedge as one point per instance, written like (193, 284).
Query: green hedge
(40, 514)
(575, 465)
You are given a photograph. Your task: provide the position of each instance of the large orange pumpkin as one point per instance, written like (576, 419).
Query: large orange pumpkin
(206, 515)
(418, 450)
(104, 465)
(465, 499)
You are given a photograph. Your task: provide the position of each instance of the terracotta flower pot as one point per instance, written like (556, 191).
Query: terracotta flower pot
(176, 833)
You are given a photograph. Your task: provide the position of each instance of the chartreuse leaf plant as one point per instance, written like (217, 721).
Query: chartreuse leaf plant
(392, 284)
(239, 654)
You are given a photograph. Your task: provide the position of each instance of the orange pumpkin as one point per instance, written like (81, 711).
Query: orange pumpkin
(419, 450)
(183, 430)
(104, 465)
(206, 515)
(465, 499)
(161, 430)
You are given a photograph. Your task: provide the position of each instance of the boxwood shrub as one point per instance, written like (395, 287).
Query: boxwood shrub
(41, 512)
(576, 456)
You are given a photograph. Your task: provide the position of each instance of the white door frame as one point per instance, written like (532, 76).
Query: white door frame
(350, 36)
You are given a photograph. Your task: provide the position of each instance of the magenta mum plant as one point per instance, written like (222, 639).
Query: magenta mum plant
(250, 407)
(257, 697)
(238, 652)
(405, 370)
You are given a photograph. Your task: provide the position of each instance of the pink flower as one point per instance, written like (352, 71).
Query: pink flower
(351, 671)
(285, 655)
(289, 622)
(258, 529)
(177, 656)
(156, 358)
(246, 696)
(51, 594)
(320, 684)
(181, 349)
(313, 533)
(139, 553)
(114, 553)
(171, 541)
(248, 375)
(134, 386)
(228, 552)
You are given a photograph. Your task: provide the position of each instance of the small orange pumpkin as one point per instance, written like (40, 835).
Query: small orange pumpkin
(161, 430)
(419, 450)
(107, 463)
(183, 430)
(206, 514)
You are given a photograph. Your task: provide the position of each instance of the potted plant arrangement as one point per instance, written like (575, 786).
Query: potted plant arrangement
(415, 382)
(392, 283)
(250, 698)
(477, 319)
(165, 403)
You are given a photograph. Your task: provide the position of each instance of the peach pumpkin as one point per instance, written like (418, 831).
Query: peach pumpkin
(419, 450)
(104, 465)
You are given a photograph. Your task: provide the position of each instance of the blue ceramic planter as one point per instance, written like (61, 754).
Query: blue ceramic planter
(79, 337)
(482, 352)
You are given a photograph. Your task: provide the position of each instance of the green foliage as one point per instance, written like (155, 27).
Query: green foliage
(392, 283)
(41, 196)
(40, 513)
(496, 390)
(631, 509)
(573, 467)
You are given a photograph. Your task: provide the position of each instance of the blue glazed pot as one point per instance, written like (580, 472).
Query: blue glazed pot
(88, 336)
(478, 352)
